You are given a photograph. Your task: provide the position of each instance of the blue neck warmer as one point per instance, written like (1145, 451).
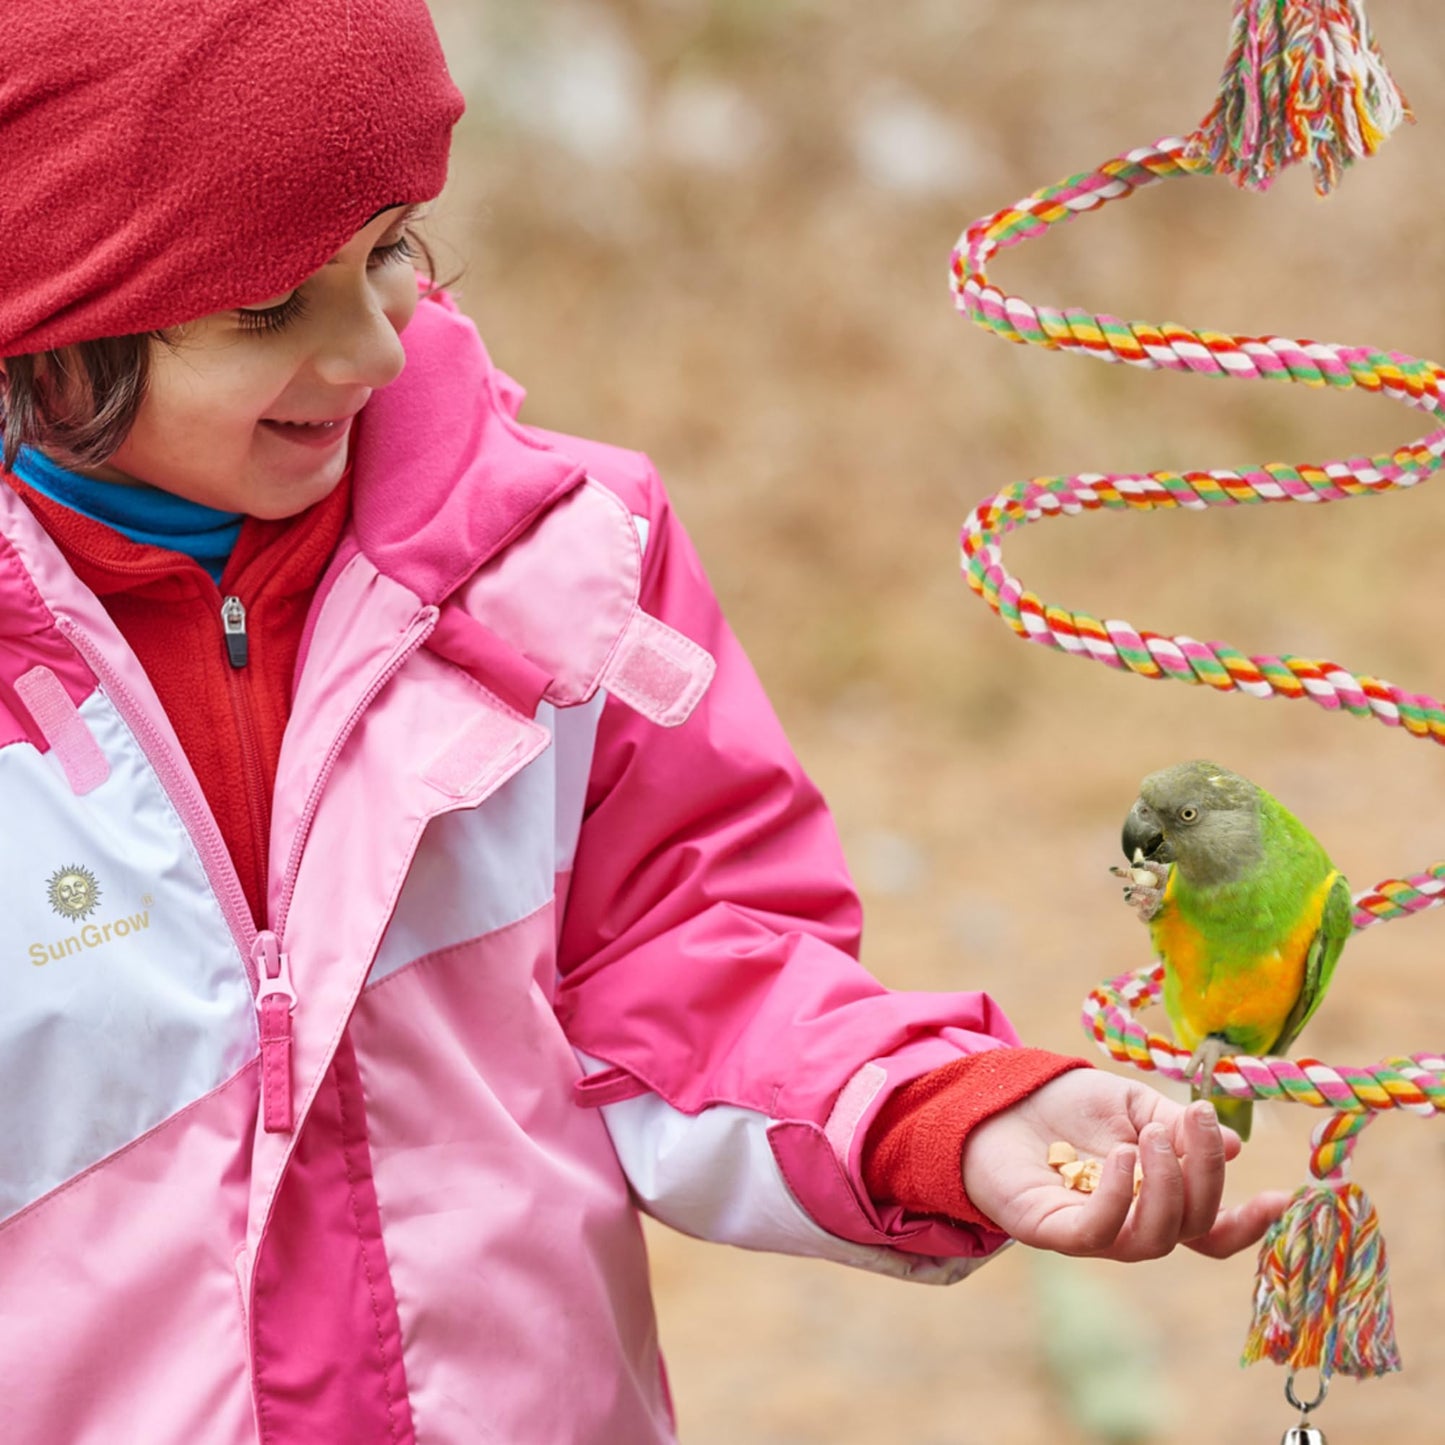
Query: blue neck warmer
(144, 514)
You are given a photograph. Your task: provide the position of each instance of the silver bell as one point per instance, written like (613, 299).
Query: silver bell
(1304, 1433)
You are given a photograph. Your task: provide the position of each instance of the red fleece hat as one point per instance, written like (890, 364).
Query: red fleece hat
(164, 159)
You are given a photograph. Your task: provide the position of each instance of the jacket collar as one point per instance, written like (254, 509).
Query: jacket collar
(445, 476)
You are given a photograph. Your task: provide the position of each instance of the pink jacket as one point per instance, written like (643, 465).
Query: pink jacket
(558, 930)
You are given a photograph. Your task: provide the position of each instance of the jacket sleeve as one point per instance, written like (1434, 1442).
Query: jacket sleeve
(709, 972)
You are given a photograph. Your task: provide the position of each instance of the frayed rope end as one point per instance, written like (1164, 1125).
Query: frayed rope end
(1304, 81)
(1322, 1291)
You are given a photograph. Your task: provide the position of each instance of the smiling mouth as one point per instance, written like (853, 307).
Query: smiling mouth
(310, 433)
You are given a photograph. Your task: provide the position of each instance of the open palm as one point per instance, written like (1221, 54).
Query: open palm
(1183, 1151)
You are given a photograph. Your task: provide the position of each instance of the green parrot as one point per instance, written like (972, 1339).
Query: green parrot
(1248, 920)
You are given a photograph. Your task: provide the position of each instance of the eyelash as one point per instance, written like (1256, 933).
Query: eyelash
(277, 318)
(274, 318)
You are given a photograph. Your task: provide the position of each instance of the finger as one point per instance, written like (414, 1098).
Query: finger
(1148, 1106)
(1203, 1169)
(1238, 1228)
(1179, 1120)
(1232, 1142)
(1159, 1209)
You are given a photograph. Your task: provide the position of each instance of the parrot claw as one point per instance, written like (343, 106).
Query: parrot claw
(1143, 889)
(1199, 1071)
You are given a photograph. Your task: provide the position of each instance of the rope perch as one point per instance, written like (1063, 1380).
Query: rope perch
(1304, 81)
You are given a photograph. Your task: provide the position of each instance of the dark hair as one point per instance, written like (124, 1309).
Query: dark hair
(78, 403)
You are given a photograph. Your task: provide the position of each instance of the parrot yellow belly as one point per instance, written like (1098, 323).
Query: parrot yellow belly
(1242, 995)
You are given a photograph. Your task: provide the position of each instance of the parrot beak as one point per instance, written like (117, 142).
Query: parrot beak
(1143, 837)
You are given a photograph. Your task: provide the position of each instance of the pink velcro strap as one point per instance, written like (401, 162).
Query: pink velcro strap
(59, 720)
(858, 1093)
(657, 671)
(493, 746)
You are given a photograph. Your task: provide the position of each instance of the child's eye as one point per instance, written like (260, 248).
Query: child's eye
(399, 250)
(272, 318)
(280, 315)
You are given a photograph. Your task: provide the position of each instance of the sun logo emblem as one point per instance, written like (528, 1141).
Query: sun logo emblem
(74, 892)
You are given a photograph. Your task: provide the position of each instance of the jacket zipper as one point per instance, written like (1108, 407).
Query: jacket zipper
(183, 793)
(238, 654)
(276, 998)
(275, 993)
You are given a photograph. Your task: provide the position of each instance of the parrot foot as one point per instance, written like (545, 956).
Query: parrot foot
(1143, 889)
(1200, 1068)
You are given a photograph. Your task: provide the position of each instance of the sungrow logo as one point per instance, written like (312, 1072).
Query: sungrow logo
(93, 935)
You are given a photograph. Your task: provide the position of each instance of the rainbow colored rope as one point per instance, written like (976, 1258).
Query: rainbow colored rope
(1117, 644)
(1418, 1083)
(1304, 81)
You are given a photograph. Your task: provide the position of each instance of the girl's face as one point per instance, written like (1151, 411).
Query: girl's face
(251, 410)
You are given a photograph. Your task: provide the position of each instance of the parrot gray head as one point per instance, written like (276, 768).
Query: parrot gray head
(1200, 817)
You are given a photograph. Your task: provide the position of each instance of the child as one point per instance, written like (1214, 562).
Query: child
(406, 879)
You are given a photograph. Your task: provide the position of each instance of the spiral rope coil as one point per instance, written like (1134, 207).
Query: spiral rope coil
(1416, 1084)
(1304, 81)
(1116, 643)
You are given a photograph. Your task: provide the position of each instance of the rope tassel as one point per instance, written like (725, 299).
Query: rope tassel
(1322, 1292)
(1304, 80)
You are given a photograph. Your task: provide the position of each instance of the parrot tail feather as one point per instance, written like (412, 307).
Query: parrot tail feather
(1236, 1114)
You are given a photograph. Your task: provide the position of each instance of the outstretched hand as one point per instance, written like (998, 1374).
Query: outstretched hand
(1182, 1148)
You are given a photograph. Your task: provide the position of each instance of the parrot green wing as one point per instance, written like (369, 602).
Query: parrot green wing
(1336, 925)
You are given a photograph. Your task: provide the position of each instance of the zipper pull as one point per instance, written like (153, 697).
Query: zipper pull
(233, 624)
(275, 1002)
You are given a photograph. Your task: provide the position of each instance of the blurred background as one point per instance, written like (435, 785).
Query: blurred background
(718, 231)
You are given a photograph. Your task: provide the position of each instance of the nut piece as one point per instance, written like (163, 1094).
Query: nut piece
(1083, 1175)
(1073, 1174)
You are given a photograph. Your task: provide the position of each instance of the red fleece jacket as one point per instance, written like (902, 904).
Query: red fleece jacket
(230, 722)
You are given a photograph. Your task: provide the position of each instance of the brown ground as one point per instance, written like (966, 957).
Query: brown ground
(769, 318)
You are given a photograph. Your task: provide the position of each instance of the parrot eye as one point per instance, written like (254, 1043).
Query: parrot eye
(1188, 813)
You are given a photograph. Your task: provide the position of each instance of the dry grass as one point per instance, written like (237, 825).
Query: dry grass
(772, 325)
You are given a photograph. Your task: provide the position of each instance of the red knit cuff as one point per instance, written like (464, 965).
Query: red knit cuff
(913, 1153)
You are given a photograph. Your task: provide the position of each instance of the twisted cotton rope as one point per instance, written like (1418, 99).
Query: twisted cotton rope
(1175, 348)
(1416, 1083)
